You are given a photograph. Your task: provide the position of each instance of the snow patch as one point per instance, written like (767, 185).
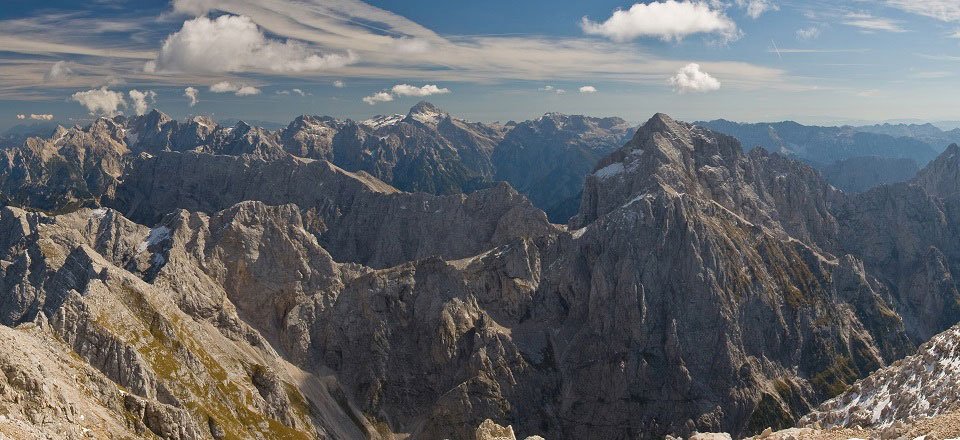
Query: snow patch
(98, 213)
(157, 235)
(610, 170)
(579, 232)
(379, 122)
(429, 117)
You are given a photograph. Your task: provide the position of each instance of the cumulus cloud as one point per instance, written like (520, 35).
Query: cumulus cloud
(58, 71)
(236, 89)
(378, 97)
(669, 21)
(691, 79)
(192, 95)
(588, 89)
(552, 89)
(102, 101)
(405, 90)
(339, 84)
(427, 90)
(36, 117)
(142, 100)
(808, 33)
(234, 43)
(756, 8)
(247, 91)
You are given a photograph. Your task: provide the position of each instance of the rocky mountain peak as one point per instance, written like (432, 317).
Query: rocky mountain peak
(941, 177)
(426, 113)
(157, 117)
(241, 128)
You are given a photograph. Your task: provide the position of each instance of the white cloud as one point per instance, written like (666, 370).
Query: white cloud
(224, 87)
(943, 10)
(954, 34)
(756, 8)
(552, 89)
(342, 26)
(142, 100)
(412, 45)
(233, 43)
(808, 33)
(588, 89)
(872, 93)
(405, 90)
(339, 84)
(192, 94)
(869, 23)
(58, 71)
(670, 21)
(36, 117)
(247, 91)
(691, 79)
(236, 89)
(100, 101)
(292, 92)
(378, 97)
(427, 90)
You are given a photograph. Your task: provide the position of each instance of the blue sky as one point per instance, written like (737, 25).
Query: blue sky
(751, 60)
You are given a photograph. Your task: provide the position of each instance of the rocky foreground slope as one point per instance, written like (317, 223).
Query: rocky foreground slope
(229, 293)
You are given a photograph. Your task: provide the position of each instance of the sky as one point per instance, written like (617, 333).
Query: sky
(814, 61)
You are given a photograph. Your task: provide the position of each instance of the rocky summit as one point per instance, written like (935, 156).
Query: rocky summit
(419, 276)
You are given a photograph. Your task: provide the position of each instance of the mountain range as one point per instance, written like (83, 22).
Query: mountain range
(399, 278)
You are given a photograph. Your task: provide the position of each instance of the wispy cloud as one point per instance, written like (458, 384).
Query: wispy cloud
(58, 72)
(294, 39)
(808, 33)
(552, 89)
(782, 50)
(756, 8)
(943, 10)
(870, 23)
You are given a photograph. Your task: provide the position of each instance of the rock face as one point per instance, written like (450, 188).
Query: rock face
(548, 158)
(698, 288)
(358, 218)
(152, 367)
(426, 150)
(74, 167)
